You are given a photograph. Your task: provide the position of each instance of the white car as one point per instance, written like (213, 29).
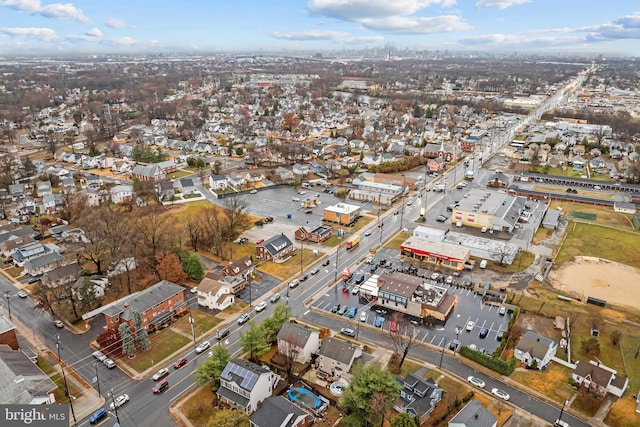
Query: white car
(296, 199)
(501, 394)
(261, 306)
(476, 381)
(119, 401)
(22, 294)
(470, 325)
(435, 276)
(59, 324)
(253, 191)
(449, 280)
(203, 346)
(363, 316)
(367, 233)
(160, 374)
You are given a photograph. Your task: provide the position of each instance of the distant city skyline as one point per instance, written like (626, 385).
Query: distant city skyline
(555, 27)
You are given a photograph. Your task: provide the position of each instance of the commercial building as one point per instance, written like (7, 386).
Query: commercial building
(438, 254)
(342, 213)
(495, 210)
(377, 192)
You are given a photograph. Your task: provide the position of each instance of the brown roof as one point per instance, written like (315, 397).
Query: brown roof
(294, 334)
(16, 243)
(209, 285)
(595, 373)
(399, 284)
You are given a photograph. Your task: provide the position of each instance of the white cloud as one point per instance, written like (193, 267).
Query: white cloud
(53, 10)
(356, 10)
(44, 34)
(416, 25)
(117, 23)
(310, 35)
(361, 39)
(121, 41)
(500, 4)
(94, 32)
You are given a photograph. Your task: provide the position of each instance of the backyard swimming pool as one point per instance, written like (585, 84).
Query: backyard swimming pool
(304, 396)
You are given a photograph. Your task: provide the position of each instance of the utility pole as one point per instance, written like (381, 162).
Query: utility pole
(191, 322)
(7, 294)
(444, 344)
(335, 277)
(64, 379)
(404, 188)
(95, 365)
(115, 407)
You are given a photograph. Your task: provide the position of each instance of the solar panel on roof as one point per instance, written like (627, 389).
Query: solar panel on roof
(249, 378)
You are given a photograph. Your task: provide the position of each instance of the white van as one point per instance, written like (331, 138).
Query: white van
(483, 263)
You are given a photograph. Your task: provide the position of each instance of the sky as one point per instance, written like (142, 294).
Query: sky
(204, 26)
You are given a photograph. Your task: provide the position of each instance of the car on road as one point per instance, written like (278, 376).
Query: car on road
(304, 277)
(441, 218)
(367, 233)
(243, 319)
(161, 386)
(222, 334)
(275, 297)
(476, 381)
(180, 362)
(302, 192)
(160, 374)
(203, 346)
(326, 262)
(483, 332)
(261, 306)
(295, 199)
(119, 401)
(97, 416)
(470, 325)
(393, 327)
(348, 332)
(363, 316)
(22, 294)
(500, 393)
(409, 203)
(315, 271)
(253, 191)
(59, 324)
(342, 310)
(99, 355)
(110, 364)
(378, 322)
(294, 283)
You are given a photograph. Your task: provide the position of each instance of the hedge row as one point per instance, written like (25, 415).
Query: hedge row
(493, 363)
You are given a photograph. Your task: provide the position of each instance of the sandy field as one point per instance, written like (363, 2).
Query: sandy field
(595, 277)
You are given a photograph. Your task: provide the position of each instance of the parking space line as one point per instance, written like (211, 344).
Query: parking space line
(425, 336)
(491, 327)
(432, 338)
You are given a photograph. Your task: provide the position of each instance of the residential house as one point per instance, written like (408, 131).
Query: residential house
(279, 412)
(22, 382)
(277, 249)
(535, 351)
(165, 190)
(93, 181)
(68, 185)
(214, 294)
(245, 385)
(149, 172)
(236, 179)
(284, 174)
(52, 203)
(473, 415)
(91, 197)
(418, 397)
(28, 251)
(217, 182)
(17, 190)
(42, 264)
(242, 267)
(436, 165)
(298, 342)
(300, 170)
(62, 275)
(579, 150)
(597, 377)
(167, 167)
(43, 188)
(92, 287)
(158, 305)
(122, 193)
(336, 357)
(186, 186)
(9, 246)
(317, 234)
(26, 205)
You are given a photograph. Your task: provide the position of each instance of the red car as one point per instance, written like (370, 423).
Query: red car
(180, 362)
(394, 326)
(259, 241)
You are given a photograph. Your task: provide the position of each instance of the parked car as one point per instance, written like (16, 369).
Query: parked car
(352, 312)
(441, 218)
(449, 280)
(348, 332)
(470, 325)
(483, 333)
(59, 324)
(379, 321)
(253, 191)
(161, 386)
(261, 306)
(453, 345)
(502, 310)
(119, 401)
(22, 294)
(97, 416)
(275, 297)
(33, 280)
(203, 346)
(99, 355)
(393, 327)
(342, 310)
(243, 319)
(435, 276)
(476, 381)
(110, 364)
(160, 374)
(259, 241)
(335, 308)
(363, 316)
(355, 290)
(180, 362)
(500, 393)
(499, 335)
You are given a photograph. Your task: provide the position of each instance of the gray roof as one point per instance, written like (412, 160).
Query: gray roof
(21, 380)
(474, 415)
(233, 396)
(6, 325)
(278, 412)
(243, 372)
(338, 350)
(144, 300)
(276, 244)
(294, 334)
(534, 344)
(43, 260)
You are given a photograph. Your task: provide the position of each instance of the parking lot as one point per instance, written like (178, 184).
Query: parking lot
(469, 308)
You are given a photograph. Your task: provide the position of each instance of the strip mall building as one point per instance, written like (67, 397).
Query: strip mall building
(438, 254)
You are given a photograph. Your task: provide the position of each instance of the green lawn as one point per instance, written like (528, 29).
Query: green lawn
(203, 323)
(58, 380)
(603, 242)
(163, 344)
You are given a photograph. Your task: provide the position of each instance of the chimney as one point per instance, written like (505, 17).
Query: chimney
(126, 305)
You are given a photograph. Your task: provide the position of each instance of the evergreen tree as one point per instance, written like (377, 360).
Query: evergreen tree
(403, 420)
(142, 337)
(192, 265)
(128, 347)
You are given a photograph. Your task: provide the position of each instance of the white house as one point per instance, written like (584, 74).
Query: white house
(214, 295)
(244, 385)
(298, 342)
(602, 379)
(336, 357)
(535, 350)
(217, 182)
(122, 193)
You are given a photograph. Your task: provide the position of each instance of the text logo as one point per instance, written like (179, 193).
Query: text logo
(34, 415)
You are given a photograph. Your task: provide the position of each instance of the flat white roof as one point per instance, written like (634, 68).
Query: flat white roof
(343, 208)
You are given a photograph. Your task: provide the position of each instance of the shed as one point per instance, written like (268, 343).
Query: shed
(551, 219)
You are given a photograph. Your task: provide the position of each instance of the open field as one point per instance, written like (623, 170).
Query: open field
(203, 323)
(290, 267)
(163, 344)
(604, 215)
(553, 383)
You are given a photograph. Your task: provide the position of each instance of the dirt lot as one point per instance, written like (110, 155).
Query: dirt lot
(590, 276)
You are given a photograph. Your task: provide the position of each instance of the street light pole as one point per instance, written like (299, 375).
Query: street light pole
(191, 322)
(95, 364)
(64, 379)
(7, 294)
(557, 423)
(403, 194)
(442, 354)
